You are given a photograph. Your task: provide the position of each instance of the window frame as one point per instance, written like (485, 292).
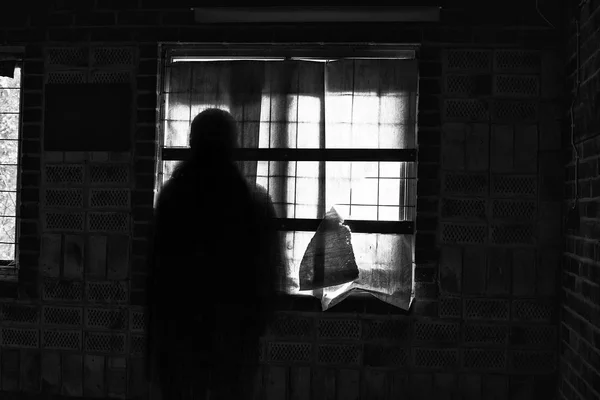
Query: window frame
(10, 273)
(291, 51)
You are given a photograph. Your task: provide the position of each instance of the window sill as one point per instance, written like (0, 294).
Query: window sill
(356, 303)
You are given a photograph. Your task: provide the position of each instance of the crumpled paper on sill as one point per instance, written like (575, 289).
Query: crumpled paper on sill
(329, 258)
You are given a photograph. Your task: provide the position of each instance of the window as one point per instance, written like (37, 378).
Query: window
(320, 128)
(10, 106)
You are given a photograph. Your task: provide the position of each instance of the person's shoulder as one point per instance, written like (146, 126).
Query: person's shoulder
(167, 192)
(260, 194)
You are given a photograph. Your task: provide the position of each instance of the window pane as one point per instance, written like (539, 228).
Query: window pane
(180, 77)
(364, 192)
(177, 133)
(9, 151)
(11, 83)
(338, 108)
(310, 211)
(368, 213)
(307, 190)
(168, 168)
(178, 106)
(389, 192)
(364, 136)
(9, 100)
(338, 136)
(389, 213)
(7, 229)
(308, 136)
(307, 169)
(8, 177)
(365, 109)
(7, 251)
(9, 126)
(8, 204)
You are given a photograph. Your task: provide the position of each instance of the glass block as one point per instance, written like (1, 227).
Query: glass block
(9, 151)
(9, 126)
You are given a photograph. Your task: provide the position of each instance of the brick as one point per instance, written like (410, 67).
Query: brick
(421, 386)
(429, 102)
(526, 148)
(429, 85)
(116, 377)
(51, 252)
(521, 388)
(178, 18)
(498, 271)
(144, 166)
(426, 290)
(149, 99)
(30, 163)
(95, 19)
(523, 266)
(117, 4)
(445, 385)
(10, 359)
(451, 264)
(93, 376)
(429, 154)
(50, 372)
(470, 386)
(138, 18)
(143, 213)
(140, 248)
(146, 116)
(73, 256)
(431, 70)
(429, 137)
(96, 257)
(550, 135)
(453, 146)
(550, 223)
(399, 384)
(30, 371)
(147, 83)
(29, 211)
(429, 120)
(30, 244)
(495, 386)
(477, 140)
(68, 34)
(547, 270)
(118, 257)
(474, 270)
(32, 115)
(110, 34)
(425, 275)
(300, 383)
(30, 131)
(275, 383)
(144, 182)
(72, 377)
(375, 384)
(502, 145)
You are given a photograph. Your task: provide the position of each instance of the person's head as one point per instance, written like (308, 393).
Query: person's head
(213, 132)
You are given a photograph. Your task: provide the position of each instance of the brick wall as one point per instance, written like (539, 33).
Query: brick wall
(580, 300)
(484, 322)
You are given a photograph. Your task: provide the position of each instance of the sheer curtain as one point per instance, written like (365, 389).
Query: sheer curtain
(356, 104)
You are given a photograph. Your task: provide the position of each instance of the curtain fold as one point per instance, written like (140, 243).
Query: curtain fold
(361, 104)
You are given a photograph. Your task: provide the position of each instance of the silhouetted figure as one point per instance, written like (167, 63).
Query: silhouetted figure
(213, 271)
